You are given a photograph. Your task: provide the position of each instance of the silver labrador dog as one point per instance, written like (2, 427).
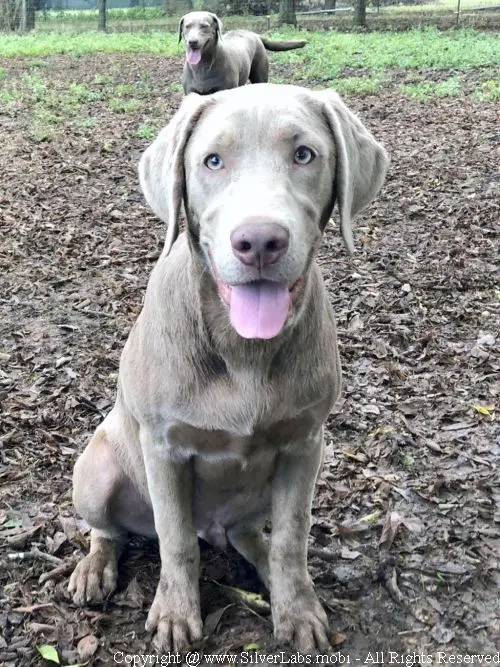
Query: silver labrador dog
(214, 63)
(232, 367)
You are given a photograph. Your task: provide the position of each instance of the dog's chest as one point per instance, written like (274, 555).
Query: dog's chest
(225, 443)
(206, 81)
(239, 415)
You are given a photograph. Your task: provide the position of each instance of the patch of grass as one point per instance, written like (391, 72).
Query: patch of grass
(34, 85)
(124, 106)
(103, 79)
(125, 90)
(146, 131)
(424, 90)
(359, 85)
(3, 73)
(41, 44)
(174, 87)
(86, 123)
(328, 54)
(39, 133)
(37, 63)
(8, 97)
(488, 91)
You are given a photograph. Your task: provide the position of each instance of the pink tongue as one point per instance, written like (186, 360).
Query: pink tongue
(259, 310)
(193, 56)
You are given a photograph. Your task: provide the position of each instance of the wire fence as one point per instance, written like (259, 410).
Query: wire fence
(143, 15)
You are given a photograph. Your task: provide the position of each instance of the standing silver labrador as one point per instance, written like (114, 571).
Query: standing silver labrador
(232, 367)
(214, 63)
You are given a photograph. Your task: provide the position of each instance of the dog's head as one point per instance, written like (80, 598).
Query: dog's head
(260, 169)
(200, 31)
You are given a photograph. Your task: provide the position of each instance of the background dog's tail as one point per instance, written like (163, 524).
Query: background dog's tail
(282, 46)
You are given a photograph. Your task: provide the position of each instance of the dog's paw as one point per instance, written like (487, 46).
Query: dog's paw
(177, 623)
(302, 623)
(94, 578)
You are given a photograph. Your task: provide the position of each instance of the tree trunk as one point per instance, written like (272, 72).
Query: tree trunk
(287, 12)
(360, 13)
(12, 15)
(29, 14)
(103, 15)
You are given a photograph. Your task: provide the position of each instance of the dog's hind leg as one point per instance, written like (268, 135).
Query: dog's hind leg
(259, 71)
(248, 538)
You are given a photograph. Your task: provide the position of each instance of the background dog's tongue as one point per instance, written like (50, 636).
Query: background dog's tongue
(259, 310)
(193, 56)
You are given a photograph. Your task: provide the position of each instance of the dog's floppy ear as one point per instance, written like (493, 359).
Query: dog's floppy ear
(218, 26)
(161, 167)
(361, 162)
(181, 26)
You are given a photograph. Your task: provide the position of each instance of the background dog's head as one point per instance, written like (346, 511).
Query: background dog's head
(200, 31)
(260, 169)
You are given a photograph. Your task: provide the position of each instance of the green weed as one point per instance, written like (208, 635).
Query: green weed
(359, 85)
(124, 106)
(488, 91)
(174, 87)
(424, 90)
(146, 131)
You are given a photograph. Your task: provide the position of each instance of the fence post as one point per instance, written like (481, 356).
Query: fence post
(458, 13)
(103, 15)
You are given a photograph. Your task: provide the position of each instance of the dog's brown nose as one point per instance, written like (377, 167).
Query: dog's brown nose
(259, 243)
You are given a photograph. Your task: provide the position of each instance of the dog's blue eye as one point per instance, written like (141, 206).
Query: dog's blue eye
(303, 155)
(214, 162)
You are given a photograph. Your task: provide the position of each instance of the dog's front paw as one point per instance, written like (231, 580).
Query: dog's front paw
(177, 621)
(94, 578)
(301, 621)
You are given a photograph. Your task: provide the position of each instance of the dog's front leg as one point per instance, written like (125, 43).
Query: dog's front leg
(175, 612)
(298, 616)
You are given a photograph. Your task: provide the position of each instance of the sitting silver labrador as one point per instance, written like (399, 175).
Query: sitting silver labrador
(214, 63)
(232, 366)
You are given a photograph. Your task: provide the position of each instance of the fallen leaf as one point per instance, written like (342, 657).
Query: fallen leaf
(442, 634)
(213, 619)
(87, 646)
(253, 600)
(391, 524)
(347, 554)
(49, 653)
(484, 409)
(32, 607)
(355, 323)
(337, 638)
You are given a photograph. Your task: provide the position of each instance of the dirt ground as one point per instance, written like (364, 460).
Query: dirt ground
(405, 543)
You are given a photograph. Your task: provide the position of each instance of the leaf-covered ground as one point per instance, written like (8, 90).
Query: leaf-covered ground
(405, 544)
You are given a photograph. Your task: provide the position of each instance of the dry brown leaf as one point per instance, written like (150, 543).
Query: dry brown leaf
(87, 646)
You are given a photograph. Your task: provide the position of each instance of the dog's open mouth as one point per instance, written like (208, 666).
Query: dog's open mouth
(259, 309)
(193, 56)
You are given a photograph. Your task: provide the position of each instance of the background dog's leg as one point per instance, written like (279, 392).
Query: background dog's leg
(248, 538)
(297, 614)
(259, 71)
(175, 612)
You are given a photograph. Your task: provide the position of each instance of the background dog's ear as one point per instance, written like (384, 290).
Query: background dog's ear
(218, 26)
(361, 162)
(181, 26)
(161, 167)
